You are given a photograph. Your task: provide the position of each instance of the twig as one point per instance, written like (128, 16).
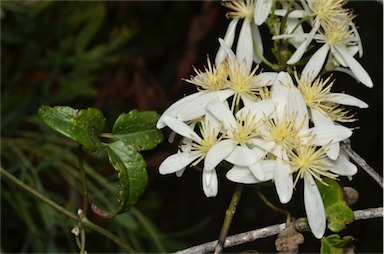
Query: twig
(272, 206)
(228, 218)
(265, 232)
(83, 180)
(362, 163)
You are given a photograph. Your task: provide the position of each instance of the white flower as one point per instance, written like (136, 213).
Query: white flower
(289, 125)
(324, 106)
(249, 32)
(336, 39)
(246, 84)
(310, 162)
(325, 12)
(218, 84)
(211, 83)
(194, 150)
(240, 133)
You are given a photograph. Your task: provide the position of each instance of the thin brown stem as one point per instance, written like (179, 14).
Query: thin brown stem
(228, 218)
(362, 163)
(272, 206)
(83, 180)
(268, 231)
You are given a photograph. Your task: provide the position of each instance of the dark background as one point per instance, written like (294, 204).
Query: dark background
(117, 56)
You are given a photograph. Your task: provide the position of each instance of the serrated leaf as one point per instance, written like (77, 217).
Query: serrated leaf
(132, 174)
(138, 130)
(82, 126)
(336, 209)
(335, 244)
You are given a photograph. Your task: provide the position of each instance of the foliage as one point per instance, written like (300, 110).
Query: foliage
(335, 244)
(336, 209)
(68, 53)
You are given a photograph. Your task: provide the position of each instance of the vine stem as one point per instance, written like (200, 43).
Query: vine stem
(272, 206)
(66, 212)
(272, 230)
(228, 218)
(362, 163)
(83, 180)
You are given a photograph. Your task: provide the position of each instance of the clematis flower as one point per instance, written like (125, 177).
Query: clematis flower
(245, 84)
(324, 106)
(309, 163)
(240, 132)
(230, 78)
(324, 13)
(249, 32)
(194, 150)
(211, 83)
(289, 125)
(336, 39)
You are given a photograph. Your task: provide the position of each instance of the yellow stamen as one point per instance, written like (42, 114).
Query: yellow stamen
(212, 79)
(308, 158)
(240, 9)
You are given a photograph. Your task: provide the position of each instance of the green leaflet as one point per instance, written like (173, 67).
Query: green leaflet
(132, 174)
(132, 132)
(333, 244)
(82, 126)
(336, 209)
(138, 130)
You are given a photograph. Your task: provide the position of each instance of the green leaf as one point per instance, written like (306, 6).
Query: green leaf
(82, 126)
(132, 174)
(138, 130)
(336, 209)
(333, 244)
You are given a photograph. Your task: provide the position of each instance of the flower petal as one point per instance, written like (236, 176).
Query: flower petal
(177, 106)
(303, 47)
(257, 171)
(296, 105)
(258, 110)
(243, 156)
(323, 135)
(245, 45)
(228, 38)
(210, 183)
(258, 43)
(343, 166)
(227, 51)
(314, 65)
(222, 112)
(177, 162)
(283, 180)
(314, 206)
(265, 79)
(180, 127)
(262, 9)
(218, 153)
(196, 108)
(345, 99)
(240, 174)
(360, 73)
(321, 119)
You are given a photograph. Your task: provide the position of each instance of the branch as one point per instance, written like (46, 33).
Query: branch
(270, 231)
(228, 218)
(362, 163)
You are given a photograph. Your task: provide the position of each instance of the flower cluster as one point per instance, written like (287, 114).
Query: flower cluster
(275, 126)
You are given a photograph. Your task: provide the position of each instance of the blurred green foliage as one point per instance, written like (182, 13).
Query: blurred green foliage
(62, 53)
(117, 56)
